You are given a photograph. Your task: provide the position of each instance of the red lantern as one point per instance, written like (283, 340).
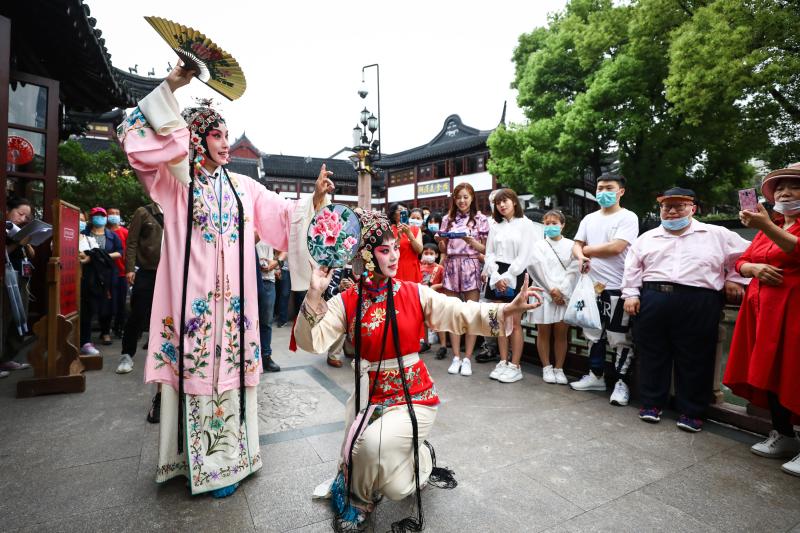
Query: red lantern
(20, 150)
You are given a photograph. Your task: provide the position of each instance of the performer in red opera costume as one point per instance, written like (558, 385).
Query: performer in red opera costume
(390, 413)
(764, 361)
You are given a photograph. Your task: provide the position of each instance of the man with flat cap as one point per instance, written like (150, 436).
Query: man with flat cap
(673, 284)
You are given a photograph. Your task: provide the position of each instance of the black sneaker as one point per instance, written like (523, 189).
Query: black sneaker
(154, 415)
(486, 356)
(424, 347)
(441, 353)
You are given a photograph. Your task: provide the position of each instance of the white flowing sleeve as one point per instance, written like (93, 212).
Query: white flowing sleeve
(317, 329)
(447, 313)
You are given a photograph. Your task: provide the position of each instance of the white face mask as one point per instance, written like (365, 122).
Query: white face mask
(788, 208)
(428, 258)
(415, 222)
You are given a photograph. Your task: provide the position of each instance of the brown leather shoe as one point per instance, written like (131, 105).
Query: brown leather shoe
(332, 361)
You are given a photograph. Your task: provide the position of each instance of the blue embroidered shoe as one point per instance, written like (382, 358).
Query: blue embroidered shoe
(345, 512)
(224, 492)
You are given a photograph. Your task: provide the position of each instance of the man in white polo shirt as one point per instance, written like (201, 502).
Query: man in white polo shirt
(601, 244)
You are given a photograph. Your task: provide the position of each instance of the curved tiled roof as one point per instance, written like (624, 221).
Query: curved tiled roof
(454, 137)
(292, 166)
(59, 39)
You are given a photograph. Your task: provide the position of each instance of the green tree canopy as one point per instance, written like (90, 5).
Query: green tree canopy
(99, 179)
(605, 82)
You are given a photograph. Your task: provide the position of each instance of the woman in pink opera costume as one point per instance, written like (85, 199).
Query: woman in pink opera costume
(204, 344)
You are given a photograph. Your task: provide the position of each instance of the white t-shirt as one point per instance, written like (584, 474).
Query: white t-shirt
(264, 251)
(597, 228)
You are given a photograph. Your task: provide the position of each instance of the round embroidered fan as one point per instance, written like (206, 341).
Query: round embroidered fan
(214, 66)
(334, 236)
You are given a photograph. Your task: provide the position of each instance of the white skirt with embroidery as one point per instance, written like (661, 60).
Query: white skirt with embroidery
(217, 451)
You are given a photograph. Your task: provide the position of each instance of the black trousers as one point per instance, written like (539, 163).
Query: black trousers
(141, 304)
(679, 328)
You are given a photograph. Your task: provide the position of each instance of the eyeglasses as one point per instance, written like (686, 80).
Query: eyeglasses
(679, 208)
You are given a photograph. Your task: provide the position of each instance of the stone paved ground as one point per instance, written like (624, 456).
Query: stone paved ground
(528, 457)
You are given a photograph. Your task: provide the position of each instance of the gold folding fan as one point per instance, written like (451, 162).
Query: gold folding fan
(214, 66)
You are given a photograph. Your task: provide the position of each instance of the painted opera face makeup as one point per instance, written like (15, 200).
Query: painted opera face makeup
(463, 201)
(218, 146)
(387, 255)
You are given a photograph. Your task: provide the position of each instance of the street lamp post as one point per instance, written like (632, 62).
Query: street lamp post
(366, 147)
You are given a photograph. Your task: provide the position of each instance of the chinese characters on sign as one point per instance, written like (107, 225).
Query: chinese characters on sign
(433, 188)
(68, 257)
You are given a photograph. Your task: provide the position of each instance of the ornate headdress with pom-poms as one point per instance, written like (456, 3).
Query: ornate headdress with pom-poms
(374, 226)
(200, 119)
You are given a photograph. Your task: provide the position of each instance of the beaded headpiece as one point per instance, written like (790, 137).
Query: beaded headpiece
(200, 120)
(374, 225)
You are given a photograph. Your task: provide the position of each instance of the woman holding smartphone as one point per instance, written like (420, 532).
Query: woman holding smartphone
(410, 238)
(764, 360)
(462, 265)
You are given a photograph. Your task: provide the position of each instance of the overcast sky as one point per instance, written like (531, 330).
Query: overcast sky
(303, 60)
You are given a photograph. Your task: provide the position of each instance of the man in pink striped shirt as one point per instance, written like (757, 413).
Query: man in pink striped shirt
(673, 284)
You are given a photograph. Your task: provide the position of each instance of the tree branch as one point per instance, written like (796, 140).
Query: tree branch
(787, 106)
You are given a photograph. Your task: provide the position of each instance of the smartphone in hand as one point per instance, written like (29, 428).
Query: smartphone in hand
(404, 216)
(748, 200)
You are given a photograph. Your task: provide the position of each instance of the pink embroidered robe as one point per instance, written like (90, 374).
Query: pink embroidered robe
(156, 141)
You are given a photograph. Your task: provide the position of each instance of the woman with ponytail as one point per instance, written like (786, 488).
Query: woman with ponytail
(394, 403)
(204, 348)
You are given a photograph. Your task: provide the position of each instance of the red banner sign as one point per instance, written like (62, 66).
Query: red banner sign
(67, 252)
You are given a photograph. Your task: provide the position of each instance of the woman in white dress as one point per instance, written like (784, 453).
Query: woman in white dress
(556, 270)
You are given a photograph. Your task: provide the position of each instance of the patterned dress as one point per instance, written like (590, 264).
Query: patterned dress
(218, 448)
(462, 268)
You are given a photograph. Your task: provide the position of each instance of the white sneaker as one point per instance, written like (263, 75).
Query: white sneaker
(466, 367)
(548, 375)
(513, 373)
(499, 369)
(455, 366)
(776, 446)
(561, 378)
(125, 364)
(792, 467)
(4, 373)
(589, 382)
(89, 349)
(621, 394)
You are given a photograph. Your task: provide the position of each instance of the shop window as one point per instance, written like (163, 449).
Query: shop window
(424, 172)
(440, 168)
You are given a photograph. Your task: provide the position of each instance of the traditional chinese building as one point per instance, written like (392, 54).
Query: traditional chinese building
(426, 175)
(294, 176)
(55, 75)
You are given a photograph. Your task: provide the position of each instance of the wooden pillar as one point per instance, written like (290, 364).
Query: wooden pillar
(365, 189)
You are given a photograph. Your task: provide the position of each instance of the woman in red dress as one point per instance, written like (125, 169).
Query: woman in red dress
(410, 238)
(764, 361)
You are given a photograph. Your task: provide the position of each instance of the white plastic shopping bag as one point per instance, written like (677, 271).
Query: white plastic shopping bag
(582, 309)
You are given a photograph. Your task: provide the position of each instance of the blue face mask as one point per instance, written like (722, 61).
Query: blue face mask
(433, 227)
(552, 231)
(113, 220)
(606, 198)
(676, 224)
(99, 221)
(82, 225)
